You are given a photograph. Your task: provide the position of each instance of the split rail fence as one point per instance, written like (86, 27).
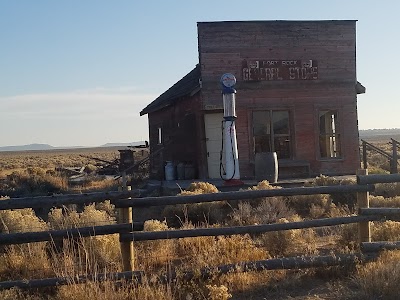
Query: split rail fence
(129, 231)
(392, 157)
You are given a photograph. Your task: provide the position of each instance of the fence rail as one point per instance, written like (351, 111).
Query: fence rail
(129, 231)
(392, 157)
(286, 263)
(62, 200)
(252, 229)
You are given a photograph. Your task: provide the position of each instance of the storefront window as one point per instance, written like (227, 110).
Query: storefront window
(271, 132)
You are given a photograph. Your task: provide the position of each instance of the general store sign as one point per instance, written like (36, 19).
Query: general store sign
(259, 70)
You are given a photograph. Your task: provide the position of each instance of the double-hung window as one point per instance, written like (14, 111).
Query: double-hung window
(271, 132)
(329, 134)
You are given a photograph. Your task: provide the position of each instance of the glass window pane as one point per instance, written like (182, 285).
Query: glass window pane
(282, 146)
(280, 121)
(262, 143)
(261, 123)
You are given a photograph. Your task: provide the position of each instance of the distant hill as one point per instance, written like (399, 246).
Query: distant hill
(30, 147)
(380, 134)
(44, 147)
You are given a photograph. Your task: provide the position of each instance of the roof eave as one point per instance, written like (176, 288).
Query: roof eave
(360, 89)
(150, 110)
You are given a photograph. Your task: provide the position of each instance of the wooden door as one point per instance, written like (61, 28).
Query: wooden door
(213, 123)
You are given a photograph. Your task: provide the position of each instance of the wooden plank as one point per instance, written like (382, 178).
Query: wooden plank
(379, 246)
(253, 229)
(240, 195)
(381, 211)
(378, 178)
(60, 200)
(43, 236)
(45, 282)
(204, 273)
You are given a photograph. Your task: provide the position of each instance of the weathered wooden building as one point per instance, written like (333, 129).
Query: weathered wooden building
(296, 96)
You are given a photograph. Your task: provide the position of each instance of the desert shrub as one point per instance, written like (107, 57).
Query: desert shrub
(196, 188)
(208, 212)
(269, 210)
(32, 181)
(289, 242)
(349, 199)
(98, 251)
(387, 190)
(385, 231)
(348, 238)
(377, 170)
(107, 207)
(60, 218)
(211, 251)
(89, 168)
(218, 292)
(95, 183)
(20, 220)
(18, 294)
(25, 261)
(329, 210)
(379, 279)
(151, 254)
(109, 290)
(264, 185)
(380, 201)
(303, 204)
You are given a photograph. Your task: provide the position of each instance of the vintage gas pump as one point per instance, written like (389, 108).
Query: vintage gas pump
(232, 174)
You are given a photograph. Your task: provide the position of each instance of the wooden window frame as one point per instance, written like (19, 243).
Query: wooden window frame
(272, 134)
(334, 151)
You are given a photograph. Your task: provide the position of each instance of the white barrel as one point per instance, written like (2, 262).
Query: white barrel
(169, 171)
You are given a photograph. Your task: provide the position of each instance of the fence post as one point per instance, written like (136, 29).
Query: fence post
(365, 162)
(125, 216)
(364, 232)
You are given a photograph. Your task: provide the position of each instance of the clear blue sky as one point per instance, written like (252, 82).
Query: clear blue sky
(79, 72)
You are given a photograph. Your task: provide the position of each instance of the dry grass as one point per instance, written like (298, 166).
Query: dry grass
(387, 190)
(49, 159)
(380, 201)
(102, 254)
(379, 279)
(289, 242)
(17, 178)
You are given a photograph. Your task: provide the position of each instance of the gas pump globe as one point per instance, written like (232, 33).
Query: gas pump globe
(231, 174)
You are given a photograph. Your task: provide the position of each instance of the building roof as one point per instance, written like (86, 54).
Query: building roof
(187, 86)
(279, 21)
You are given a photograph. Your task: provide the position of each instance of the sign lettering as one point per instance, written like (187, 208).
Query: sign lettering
(269, 70)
